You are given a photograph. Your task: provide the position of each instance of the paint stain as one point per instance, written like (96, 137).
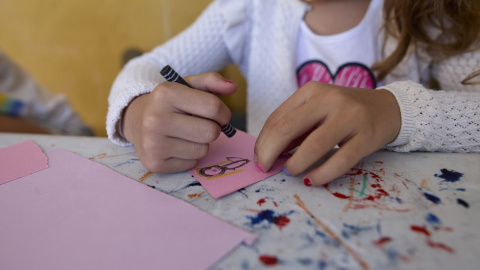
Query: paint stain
(275, 203)
(449, 175)
(432, 244)
(432, 198)
(433, 220)
(354, 230)
(463, 203)
(145, 176)
(268, 260)
(380, 242)
(195, 195)
(260, 202)
(271, 218)
(420, 229)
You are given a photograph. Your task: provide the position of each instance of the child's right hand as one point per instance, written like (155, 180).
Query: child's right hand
(172, 126)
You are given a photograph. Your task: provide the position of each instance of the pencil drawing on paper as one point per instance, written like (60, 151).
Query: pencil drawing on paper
(224, 168)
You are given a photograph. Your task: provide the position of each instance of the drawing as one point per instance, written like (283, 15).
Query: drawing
(218, 170)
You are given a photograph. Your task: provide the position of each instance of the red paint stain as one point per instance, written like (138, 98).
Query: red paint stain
(281, 221)
(261, 201)
(440, 246)
(419, 229)
(275, 203)
(447, 229)
(380, 242)
(340, 195)
(268, 260)
(379, 162)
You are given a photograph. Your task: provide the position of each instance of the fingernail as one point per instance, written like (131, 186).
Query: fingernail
(230, 81)
(256, 163)
(307, 182)
(285, 171)
(258, 167)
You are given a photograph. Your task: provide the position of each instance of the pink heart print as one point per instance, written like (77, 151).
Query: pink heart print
(350, 75)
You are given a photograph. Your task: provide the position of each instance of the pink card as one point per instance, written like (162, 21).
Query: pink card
(21, 159)
(229, 165)
(79, 214)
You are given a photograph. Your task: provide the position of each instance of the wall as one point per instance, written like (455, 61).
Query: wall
(76, 47)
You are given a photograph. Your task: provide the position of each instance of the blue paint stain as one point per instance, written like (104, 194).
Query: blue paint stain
(270, 217)
(433, 220)
(399, 200)
(353, 230)
(283, 180)
(328, 240)
(258, 190)
(305, 261)
(192, 184)
(432, 198)
(463, 203)
(322, 265)
(449, 176)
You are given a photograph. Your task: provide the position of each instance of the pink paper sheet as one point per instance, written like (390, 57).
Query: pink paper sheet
(229, 165)
(21, 159)
(79, 214)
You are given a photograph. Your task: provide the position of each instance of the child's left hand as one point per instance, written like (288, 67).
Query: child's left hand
(320, 116)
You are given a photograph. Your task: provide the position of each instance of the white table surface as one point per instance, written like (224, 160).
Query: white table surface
(391, 211)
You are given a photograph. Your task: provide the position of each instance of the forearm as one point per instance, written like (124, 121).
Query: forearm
(446, 121)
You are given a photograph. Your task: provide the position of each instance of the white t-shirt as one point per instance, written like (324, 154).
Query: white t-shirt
(342, 59)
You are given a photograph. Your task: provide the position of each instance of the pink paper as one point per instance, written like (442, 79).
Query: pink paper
(78, 214)
(229, 165)
(21, 159)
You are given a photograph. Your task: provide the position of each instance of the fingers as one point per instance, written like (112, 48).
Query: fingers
(212, 82)
(170, 154)
(345, 158)
(180, 98)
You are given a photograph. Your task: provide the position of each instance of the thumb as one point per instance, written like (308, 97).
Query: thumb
(212, 82)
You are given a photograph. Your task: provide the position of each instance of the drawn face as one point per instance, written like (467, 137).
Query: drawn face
(217, 170)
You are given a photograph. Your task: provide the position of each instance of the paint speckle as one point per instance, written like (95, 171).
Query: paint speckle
(463, 203)
(449, 176)
(433, 220)
(260, 202)
(432, 198)
(440, 246)
(380, 242)
(268, 260)
(420, 229)
(305, 261)
(353, 230)
(270, 217)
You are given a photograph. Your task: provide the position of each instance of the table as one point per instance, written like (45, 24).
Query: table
(391, 211)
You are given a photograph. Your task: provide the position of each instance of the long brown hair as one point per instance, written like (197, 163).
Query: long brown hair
(411, 22)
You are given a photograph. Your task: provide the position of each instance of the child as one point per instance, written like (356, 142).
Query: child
(326, 41)
(27, 107)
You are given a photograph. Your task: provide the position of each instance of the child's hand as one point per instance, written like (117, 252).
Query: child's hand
(319, 116)
(172, 126)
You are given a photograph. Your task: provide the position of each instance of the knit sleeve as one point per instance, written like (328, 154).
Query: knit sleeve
(209, 44)
(445, 121)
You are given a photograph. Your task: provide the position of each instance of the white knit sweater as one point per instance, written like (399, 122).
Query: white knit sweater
(259, 36)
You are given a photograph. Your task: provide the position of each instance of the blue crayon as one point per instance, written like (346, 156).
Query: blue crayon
(172, 76)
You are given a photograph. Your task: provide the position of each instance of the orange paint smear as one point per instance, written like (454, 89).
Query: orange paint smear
(104, 155)
(332, 235)
(145, 176)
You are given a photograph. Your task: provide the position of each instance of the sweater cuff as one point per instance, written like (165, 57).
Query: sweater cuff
(406, 112)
